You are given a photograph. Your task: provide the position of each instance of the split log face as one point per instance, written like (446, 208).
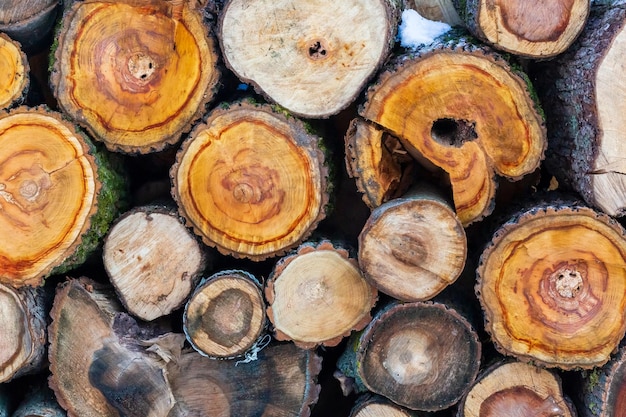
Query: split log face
(533, 29)
(584, 98)
(14, 70)
(328, 49)
(376, 160)
(28, 21)
(133, 73)
(48, 191)
(226, 315)
(23, 331)
(515, 389)
(153, 261)
(422, 356)
(553, 287)
(317, 296)
(413, 247)
(251, 182)
(280, 383)
(474, 117)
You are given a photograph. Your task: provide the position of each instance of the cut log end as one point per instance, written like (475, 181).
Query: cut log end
(552, 288)
(318, 296)
(136, 89)
(14, 72)
(252, 182)
(48, 192)
(226, 315)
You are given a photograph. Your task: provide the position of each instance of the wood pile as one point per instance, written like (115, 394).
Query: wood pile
(285, 208)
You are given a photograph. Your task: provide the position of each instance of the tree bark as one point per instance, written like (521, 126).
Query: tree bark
(516, 389)
(28, 21)
(312, 58)
(58, 195)
(317, 296)
(413, 247)
(152, 260)
(447, 84)
(140, 88)
(251, 181)
(39, 402)
(281, 382)
(423, 356)
(225, 317)
(98, 364)
(531, 29)
(23, 331)
(603, 390)
(584, 108)
(14, 73)
(553, 287)
(380, 166)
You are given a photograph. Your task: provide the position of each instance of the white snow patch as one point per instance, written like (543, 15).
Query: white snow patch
(416, 30)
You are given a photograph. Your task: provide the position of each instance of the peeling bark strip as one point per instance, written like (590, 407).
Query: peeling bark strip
(225, 316)
(603, 391)
(585, 105)
(23, 331)
(473, 116)
(57, 196)
(552, 285)
(14, 73)
(282, 382)
(152, 260)
(138, 88)
(328, 49)
(516, 389)
(413, 247)
(28, 21)
(251, 181)
(423, 356)
(532, 29)
(317, 296)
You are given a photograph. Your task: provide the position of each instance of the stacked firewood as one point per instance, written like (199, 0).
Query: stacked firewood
(295, 208)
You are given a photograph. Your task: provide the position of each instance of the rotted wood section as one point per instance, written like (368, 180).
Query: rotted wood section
(135, 74)
(553, 286)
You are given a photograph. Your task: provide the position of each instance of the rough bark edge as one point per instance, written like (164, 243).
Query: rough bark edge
(169, 211)
(597, 384)
(554, 207)
(279, 268)
(394, 11)
(39, 402)
(20, 97)
(317, 148)
(573, 133)
(209, 94)
(248, 353)
(31, 31)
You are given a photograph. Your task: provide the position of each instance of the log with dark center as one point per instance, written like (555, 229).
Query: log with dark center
(251, 181)
(225, 316)
(328, 49)
(532, 29)
(132, 74)
(14, 73)
(448, 83)
(318, 295)
(413, 247)
(516, 389)
(28, 21)
(152, 260)
(423, 356)
(584, 94)
(23, 331)
(553, 287)
(57, 196)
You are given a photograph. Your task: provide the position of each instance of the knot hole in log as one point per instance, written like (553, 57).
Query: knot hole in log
(141, 66)
(318, 50)
(452, 132)
(568, 282)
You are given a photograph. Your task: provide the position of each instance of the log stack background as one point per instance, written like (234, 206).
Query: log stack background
(360, 229)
